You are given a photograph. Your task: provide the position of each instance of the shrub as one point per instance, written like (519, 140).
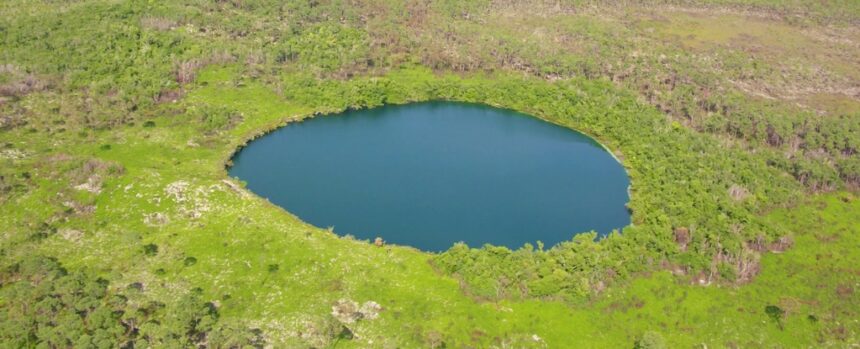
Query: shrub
(150, 250)
(776, 314)
(651, 340)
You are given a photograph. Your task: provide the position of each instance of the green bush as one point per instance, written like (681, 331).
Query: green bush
(44, 305)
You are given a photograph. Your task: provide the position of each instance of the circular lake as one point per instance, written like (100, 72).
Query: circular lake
(431, 174)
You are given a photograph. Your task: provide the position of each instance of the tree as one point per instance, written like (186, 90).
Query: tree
(776, 314)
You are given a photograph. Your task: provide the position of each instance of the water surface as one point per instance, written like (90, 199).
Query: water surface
(431, 174)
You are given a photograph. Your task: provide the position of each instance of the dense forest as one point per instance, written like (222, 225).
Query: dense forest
(738, 122)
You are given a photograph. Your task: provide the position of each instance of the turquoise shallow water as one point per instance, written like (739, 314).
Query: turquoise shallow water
(431, 174)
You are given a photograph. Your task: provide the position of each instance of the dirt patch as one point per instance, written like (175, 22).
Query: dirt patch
(844, 291)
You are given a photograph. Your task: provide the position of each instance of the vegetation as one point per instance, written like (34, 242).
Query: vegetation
(54, 308)
(120, 229)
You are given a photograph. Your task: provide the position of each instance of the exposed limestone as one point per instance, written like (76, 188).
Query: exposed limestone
(347, 311)
(156, 219)
(71, 234)
(177, 190)
(370, 310)
(12, 154)
(92, 185)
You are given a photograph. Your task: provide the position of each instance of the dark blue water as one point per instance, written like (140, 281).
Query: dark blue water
(431, 174)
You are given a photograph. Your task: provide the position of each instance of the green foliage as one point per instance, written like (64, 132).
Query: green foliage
(849, 168)
(150, 250)
(112, 60)
(99, 45)
(651, 340)
(189, 261)
(327, 48)
(727, 272)
(183, 327)
(713, 134)
(776, 314)
(215, 118)
(46, 306)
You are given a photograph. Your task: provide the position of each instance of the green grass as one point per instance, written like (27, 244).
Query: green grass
(803, 281)
(691, 105)
(238, 236)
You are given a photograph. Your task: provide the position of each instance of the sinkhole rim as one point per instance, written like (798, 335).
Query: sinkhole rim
(284, 122)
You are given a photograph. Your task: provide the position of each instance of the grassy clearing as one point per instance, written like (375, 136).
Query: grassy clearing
(702, 30)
